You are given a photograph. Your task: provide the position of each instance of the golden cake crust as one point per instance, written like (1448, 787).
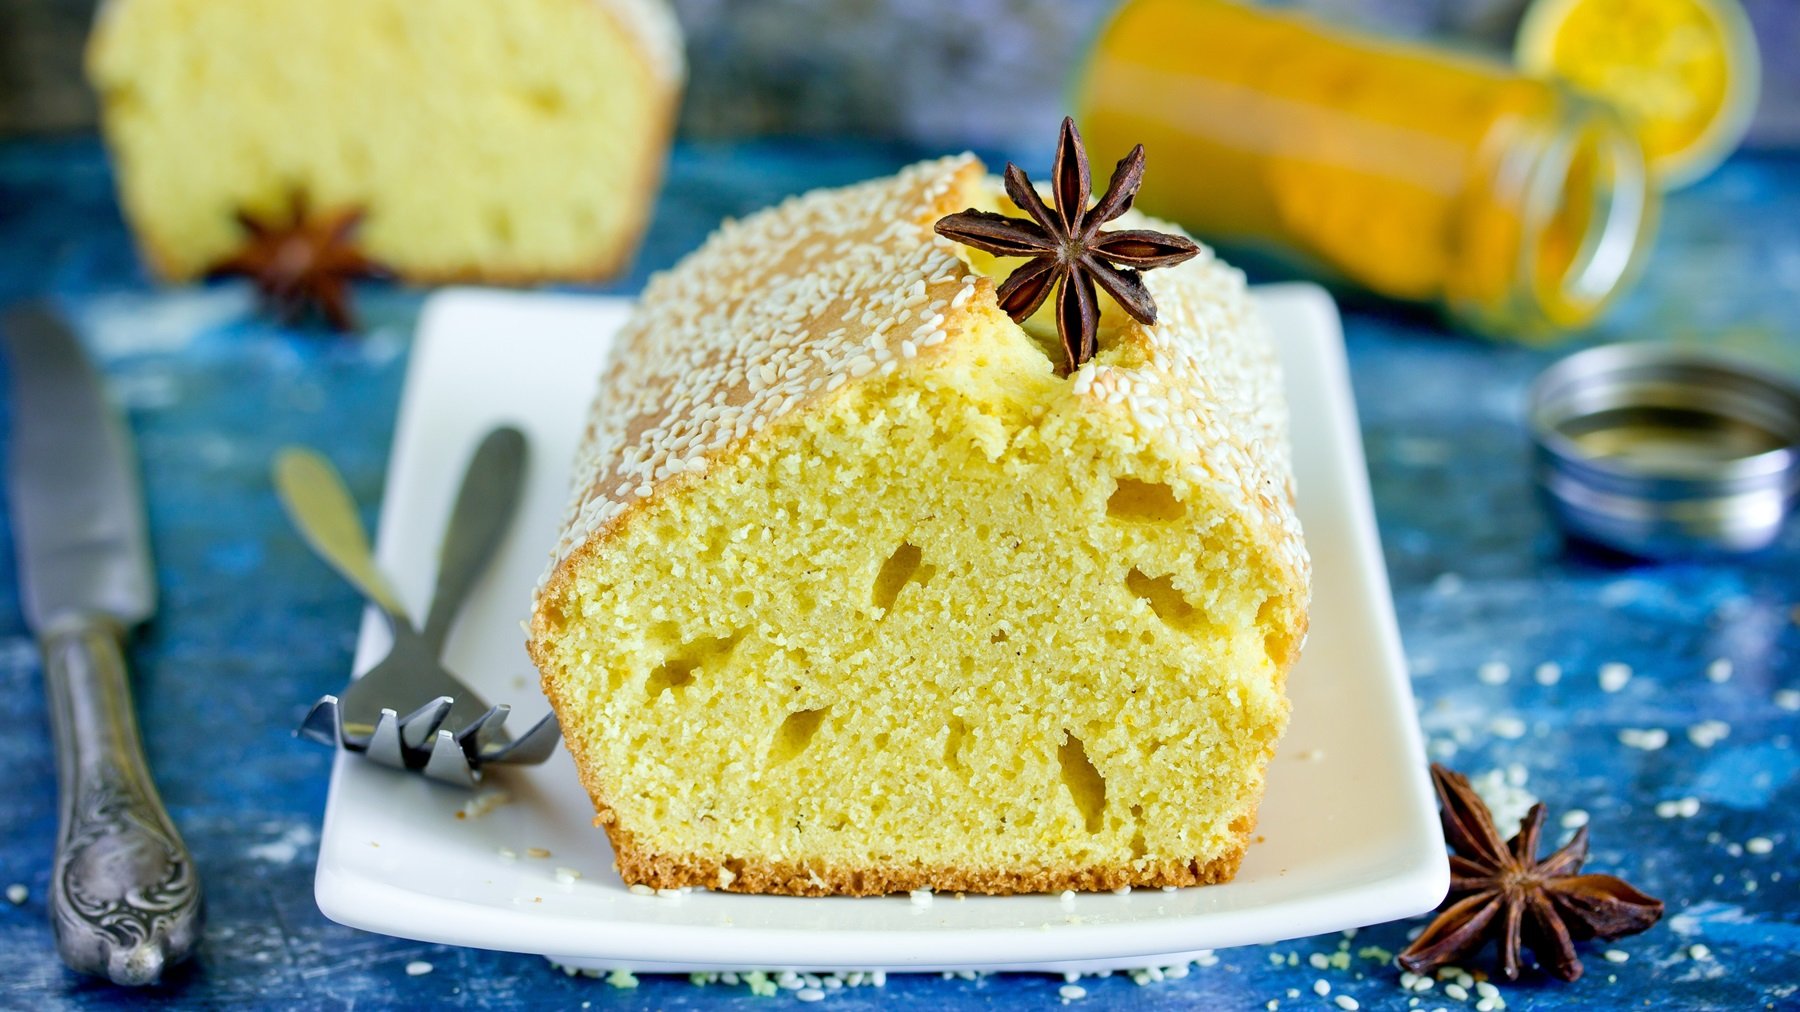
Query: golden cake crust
(776, 314)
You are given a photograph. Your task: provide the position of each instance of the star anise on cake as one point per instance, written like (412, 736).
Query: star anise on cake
(1502, 891)
(1065, 249)
(304, 263)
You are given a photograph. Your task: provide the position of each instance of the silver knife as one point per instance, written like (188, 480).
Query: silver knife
(124, 897)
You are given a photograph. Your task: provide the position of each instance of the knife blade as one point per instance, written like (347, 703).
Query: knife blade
(124, 897)
(78, 515)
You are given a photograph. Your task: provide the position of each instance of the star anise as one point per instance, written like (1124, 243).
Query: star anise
(1504, 891)
(303, 264)
(1065, 248)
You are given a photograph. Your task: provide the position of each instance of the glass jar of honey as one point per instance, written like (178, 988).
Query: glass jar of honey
(1519, 207)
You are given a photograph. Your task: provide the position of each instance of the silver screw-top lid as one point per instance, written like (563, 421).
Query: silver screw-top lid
(1666, 453)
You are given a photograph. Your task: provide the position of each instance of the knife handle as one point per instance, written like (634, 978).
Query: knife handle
(124, 896)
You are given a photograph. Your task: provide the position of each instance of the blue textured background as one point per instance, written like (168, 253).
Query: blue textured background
(252, 628)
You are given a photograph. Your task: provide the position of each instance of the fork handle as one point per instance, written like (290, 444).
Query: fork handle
(124, 896)
(484, 508)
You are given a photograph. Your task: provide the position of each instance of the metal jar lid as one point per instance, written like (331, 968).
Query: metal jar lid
(1665, 453)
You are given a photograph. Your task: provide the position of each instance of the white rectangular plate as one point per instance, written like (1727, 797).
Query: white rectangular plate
(1347, 835)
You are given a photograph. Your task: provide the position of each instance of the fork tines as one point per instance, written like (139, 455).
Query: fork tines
(418, 742)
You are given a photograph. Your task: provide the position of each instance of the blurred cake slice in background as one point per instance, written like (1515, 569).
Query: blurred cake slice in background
(507, 142)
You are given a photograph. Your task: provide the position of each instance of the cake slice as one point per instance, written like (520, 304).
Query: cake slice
(505, 141)
(859, 594)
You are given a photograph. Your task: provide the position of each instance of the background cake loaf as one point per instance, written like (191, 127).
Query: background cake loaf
(857, 594)
(508, 142)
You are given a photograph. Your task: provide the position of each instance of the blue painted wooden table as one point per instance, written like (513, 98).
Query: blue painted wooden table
(1553, 673)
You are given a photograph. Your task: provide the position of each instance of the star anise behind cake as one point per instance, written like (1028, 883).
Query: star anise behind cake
(303, 265)
(1066, 249)
(1502, 891)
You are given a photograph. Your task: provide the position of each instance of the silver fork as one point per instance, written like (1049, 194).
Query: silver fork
(455, 733)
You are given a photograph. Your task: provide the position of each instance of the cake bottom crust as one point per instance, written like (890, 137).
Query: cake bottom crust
(639, 866)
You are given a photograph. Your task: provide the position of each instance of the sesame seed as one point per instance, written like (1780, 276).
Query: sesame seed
(1072, 992)
(809, 994)
(1699, 952)
(1347, 1003)
(1456, 991)
(418, 968)
(1548, 673)
(1494, 673)
(1708, 733)
(1321, 987)
(1647, 739)
(1507, 726)
(1755, 845)
(1574, 818)
(1616, 955)
(1788, 699)
(1719, 671)
(920, 897)
(17, 894)
(1614, 676)
(1682, 808)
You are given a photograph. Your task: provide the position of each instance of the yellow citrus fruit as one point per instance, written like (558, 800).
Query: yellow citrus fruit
(1683, 72)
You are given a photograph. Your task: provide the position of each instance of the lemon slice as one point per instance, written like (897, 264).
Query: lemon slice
(1684, 72)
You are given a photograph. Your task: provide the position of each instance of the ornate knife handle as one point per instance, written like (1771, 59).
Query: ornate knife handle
(124, 897)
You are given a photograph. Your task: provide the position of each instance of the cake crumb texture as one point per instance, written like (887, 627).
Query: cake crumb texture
(856, 594)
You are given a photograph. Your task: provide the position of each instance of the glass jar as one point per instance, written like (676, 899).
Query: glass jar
(1426, 176)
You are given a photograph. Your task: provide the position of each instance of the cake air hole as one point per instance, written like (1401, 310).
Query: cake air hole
(953, 742)
(1278, 643)
(905, 566)
(500, 225)
(678, 670)
(1160, 594)
(998, 636)
(1144, 501)
(545, 101)
(1086, 786)
(795, 733)
(554, 615)
(668, 677)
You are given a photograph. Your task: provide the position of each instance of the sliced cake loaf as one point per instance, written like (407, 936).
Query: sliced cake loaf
(499, 141)
(857, 594)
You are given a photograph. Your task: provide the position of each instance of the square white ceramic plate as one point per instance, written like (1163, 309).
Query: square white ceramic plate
(1348, 831)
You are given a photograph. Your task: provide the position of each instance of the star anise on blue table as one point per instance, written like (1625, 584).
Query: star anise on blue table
(1065, 248)
(304, 263)
(1502, 891)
